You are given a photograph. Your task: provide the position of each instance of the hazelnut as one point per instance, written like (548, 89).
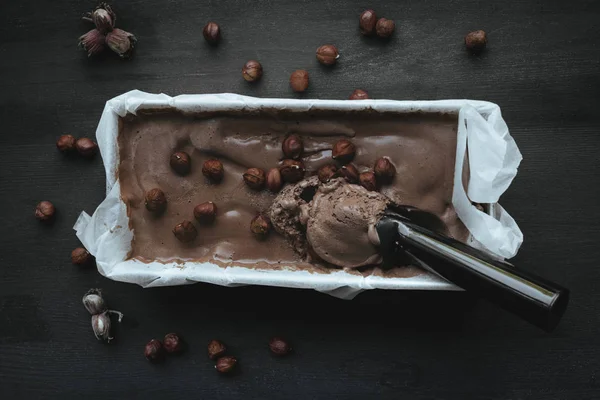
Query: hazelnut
(156, 202)
(255, 178)
(81, 256)
(279, 346)
(349, 172)
(384, 170)
(359, 94)
(172, 343)
(86, 147)
(181, 162)
(476, 41)
(292, 171)
(274, 180)
(292, 147)
(327, 54)
(185, 231)
(205, 213)
(326, 172)
(260, 226)
(299, 80)
(252, 71)
(366, 22)
(385, 28)
(225, 364)
(44, 211)
(66, 143)
(343, 151)
(368, 181)
(213, 170)
(212, 33)
(216, 349)
(154, 351)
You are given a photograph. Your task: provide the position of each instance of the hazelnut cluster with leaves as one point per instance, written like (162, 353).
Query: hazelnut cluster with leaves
(105, 34)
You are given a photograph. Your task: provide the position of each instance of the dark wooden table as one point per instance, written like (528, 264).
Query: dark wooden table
(542, 67)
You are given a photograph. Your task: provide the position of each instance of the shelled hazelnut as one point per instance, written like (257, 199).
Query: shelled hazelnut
(45, 211)
(292, 147)
(216, 349)
(327, 54)
(66, 143)
(385, 28)
(274, 180)
(185, 231)
(367, 22)
(252, 71)
(368, 181)
(172, 343)
(181, 162)
(279, 346)
(359, 94)
(156, 201)
(260, 226)
(476, 41)
(154, 351)
(292, 171)
(212, 33)
(343, 151)
(299, 80)
(384, 170)
(86, 147)
(327, 172)
(226, 364)
(349, 172)
(205, 213)
(81, 256)
(213, 170)
(255, 178)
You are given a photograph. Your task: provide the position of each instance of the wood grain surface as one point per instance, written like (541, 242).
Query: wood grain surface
(542, 67)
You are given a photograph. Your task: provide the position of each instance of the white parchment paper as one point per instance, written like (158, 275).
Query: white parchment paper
(493, 160)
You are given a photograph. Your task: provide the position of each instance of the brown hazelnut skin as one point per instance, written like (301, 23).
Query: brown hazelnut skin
(45, 211)
(327, 54)
(260, 226)
(185, 231)
(154, 351)
(384, 170)
(226, 364)
(327, 172)
(216, 349)
(81, 256)
(181, 162)
(368, 181)
(349, 172)
(367, 22)
(279, 346)
(86, 147)
(255, 178)
(476, 41)
(343, 151)
(205, 213)
(252, 71)
(172, 343)
(292, 171)
(299, 80)
(212, 33)
(385, 28)
(213, 170)
(359, 94)
(66, 143)
(292, 147)
(156, 201)
(274, 180)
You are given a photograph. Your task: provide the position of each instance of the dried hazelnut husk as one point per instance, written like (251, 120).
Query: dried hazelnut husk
(385, 28)
(181, 162)
(94, 302)
(327, 172)
(368, 181)
(384, 170)
(359, 94)
(476, 41)
(279, 346)
(260, 226)
(274, 180)
(205, 213)
(172, 343)
(255, 178)
(213, 170)
(81, 256)
(252, 71)
(292, 147)
(292, 171)
(216, 349)
(156, 201)
(367, 22)
(93, 42)
(226, 364)
(299, 80)
(327, 54)
(212, 33)
(121, 42)
(185, 231)
(66, 143)
(101, 326)
(86, 147)
(154, 351)
(349, 172)
(44, 211)
(343, 151)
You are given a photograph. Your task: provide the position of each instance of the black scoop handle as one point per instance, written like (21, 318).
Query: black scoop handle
(531, 297)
